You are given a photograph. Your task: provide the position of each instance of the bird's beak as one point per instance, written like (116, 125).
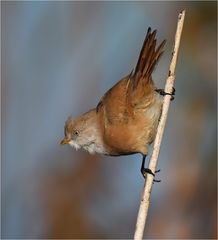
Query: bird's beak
(65, 141)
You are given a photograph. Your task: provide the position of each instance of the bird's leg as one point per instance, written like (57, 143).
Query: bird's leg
(163, 93)
(146, 171)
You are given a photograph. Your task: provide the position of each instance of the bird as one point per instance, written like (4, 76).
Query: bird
(125, 120)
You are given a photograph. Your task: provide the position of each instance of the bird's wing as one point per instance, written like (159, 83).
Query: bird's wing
(114, 102)
(131, 92)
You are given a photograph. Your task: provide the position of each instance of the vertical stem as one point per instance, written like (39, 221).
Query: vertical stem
(145, 199)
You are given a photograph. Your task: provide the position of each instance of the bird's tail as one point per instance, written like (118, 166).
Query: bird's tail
(140, 88)
(148, 59)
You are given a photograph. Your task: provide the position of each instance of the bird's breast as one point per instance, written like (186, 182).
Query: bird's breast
(135, 134)
(93, 148)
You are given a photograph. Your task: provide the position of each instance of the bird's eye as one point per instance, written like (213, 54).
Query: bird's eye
(76, 133)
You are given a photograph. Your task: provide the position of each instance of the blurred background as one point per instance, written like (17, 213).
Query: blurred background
(58, 59)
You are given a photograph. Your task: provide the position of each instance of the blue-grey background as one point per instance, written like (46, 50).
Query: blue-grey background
(58, 59)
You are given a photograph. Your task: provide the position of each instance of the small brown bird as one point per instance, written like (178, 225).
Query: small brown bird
(126, 118)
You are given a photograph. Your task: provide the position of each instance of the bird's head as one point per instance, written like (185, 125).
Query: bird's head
(72, 131)
(81, 132)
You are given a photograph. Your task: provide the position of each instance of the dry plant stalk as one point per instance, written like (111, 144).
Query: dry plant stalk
(145, 199)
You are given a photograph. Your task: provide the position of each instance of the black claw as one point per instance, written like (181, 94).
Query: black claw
(163, 93)
(146, 171)
(156, 180)
(160, 91)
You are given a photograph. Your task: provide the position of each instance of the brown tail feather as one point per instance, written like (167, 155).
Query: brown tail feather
(148, 59)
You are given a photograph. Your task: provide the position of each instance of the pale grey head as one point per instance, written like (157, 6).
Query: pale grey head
(84, 132)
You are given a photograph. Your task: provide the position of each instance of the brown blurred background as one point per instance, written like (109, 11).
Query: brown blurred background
(58, 59)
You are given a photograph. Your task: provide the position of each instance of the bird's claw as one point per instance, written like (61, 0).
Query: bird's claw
(163, 93)
(146, 171)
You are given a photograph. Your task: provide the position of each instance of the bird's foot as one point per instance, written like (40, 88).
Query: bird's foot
(163, 93)
(146, 171)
